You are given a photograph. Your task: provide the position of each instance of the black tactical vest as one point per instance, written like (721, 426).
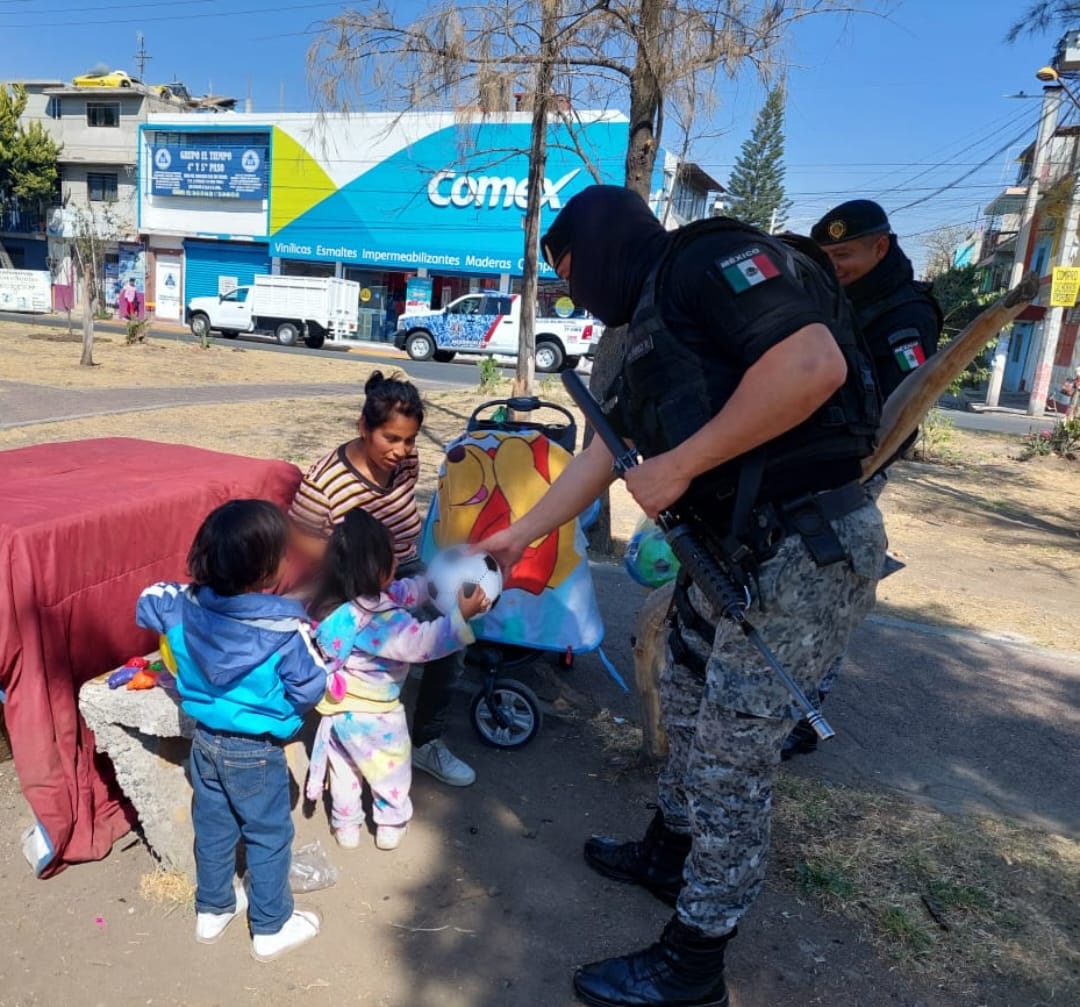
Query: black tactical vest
(669, 389)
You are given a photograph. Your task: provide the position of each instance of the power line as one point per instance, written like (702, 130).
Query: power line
(1024, 115)
(154, 4)
(256, 12)
(967, 174)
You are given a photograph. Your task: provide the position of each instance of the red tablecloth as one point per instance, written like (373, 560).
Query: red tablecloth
(84, 527)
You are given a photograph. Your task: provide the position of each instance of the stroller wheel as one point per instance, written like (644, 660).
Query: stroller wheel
(510, 718)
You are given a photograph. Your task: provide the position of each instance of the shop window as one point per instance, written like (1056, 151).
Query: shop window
(103, 113)
(101, 187)
(297, 267)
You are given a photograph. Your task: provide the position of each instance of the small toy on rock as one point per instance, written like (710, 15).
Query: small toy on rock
(132, 666)
(145, 678)
(456, 569)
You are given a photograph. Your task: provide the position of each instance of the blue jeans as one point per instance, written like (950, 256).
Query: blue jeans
(241, 790)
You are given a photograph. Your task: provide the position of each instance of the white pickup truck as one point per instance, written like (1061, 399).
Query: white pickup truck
(490, 322)
(312, 308)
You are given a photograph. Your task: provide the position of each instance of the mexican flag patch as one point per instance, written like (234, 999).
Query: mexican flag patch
(748, 270)
(909, 356)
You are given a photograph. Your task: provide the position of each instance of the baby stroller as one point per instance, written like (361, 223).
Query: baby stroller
(489, 476)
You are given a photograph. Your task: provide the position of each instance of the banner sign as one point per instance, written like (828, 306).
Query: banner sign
(418, 293)
(1065, 286)
(25, 290)
(210, 170)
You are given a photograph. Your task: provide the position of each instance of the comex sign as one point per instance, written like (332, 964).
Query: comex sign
(448, 188)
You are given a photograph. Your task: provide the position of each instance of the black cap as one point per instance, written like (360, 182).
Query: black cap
(857, 218)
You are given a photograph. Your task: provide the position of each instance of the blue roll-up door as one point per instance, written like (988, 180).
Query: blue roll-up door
(207, 261)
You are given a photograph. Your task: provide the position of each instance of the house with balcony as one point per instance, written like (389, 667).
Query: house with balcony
(1002, 228)
(98, 128)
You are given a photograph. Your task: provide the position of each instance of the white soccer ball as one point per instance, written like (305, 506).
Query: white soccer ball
(456, 569)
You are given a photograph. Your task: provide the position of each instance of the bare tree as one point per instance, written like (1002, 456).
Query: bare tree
(631, 53)
(940, 248)
(91, 234)
(640, 54)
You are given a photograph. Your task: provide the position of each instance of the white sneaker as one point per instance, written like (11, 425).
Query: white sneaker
(348, 837)
(301, 927)
(210, 926)
(437, 760)
(389, 837)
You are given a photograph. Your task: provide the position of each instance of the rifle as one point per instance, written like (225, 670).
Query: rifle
(716, 583)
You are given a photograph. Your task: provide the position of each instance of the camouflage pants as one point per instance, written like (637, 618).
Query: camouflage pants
(725, 728)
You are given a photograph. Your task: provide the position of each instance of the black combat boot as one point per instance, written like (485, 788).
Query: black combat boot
(655, 863)
(802, 741)
(683, 969)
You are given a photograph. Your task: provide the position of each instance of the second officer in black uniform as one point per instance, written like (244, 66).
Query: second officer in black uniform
(899, 317)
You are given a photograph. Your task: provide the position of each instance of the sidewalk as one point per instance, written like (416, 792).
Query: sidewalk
(1009, 403)
(25, 404)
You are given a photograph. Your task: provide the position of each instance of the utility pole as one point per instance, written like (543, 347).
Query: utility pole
(1067, 247)
(142, 57)
(1066, 256)
(1051, 106)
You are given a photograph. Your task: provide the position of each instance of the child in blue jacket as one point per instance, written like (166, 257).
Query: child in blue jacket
(247, 673)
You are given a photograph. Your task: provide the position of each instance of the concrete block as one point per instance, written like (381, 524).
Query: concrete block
(148, 738)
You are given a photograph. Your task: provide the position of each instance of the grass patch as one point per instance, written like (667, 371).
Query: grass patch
(954, 899)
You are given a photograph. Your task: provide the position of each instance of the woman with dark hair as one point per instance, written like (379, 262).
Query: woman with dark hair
(377, 471)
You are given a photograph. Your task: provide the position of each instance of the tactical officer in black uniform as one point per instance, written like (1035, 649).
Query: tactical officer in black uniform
(899, 317)
(900, 321)
(742, 383)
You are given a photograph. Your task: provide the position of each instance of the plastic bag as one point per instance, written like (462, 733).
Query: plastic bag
(311, 869)
(649, 559)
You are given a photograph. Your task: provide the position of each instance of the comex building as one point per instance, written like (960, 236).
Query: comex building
(420, 205)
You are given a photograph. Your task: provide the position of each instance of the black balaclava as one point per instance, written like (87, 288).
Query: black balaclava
(615, 240)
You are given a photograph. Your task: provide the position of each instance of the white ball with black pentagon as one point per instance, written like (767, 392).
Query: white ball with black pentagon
(456, 569)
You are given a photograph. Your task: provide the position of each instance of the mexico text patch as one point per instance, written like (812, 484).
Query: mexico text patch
(748, 269)
(907, 350)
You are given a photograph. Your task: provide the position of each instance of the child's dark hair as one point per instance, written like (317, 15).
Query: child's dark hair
(239, 547)
(385, 396)
(359, 557)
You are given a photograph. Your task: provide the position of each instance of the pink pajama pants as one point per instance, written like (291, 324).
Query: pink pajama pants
(355, 747)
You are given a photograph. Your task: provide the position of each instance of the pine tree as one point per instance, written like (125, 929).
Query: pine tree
(756, 187)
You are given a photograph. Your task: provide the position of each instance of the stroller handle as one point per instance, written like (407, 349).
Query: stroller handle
(523, 404)
(562, 433)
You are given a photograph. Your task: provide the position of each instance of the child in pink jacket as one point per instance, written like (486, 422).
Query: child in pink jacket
(369, 639)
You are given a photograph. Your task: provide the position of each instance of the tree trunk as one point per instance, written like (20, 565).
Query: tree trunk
(526, 361)
(89, 310)
(645, 98)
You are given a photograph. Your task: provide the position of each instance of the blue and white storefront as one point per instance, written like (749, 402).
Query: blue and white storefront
(378, 198)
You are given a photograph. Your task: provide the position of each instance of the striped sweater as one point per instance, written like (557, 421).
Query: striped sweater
(333, 486)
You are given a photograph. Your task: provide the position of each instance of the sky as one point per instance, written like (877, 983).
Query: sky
(891, 105)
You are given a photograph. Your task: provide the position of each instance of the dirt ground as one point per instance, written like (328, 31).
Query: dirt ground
(488, 901)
